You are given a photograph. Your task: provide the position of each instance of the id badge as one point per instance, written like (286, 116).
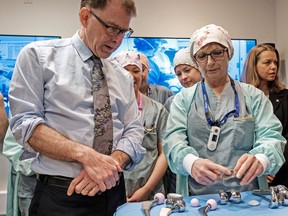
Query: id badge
(213, 138)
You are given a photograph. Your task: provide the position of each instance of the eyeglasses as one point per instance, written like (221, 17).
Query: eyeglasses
(215, 55)
(112, 30)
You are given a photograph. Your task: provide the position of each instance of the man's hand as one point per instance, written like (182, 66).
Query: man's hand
(206, 172)
(83, 184)
(121, 157)
(102, 169)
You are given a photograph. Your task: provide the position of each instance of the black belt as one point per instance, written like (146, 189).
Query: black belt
(61, 181)
(57, 181)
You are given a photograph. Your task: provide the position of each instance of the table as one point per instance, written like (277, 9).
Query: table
(231, 209)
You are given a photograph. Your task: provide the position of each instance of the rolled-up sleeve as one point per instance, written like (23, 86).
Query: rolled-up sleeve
(132, 136)
(129, 131)
(27, 111)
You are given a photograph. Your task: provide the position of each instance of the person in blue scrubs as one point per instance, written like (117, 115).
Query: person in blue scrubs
(146, 179)
(221, 128)
(188, 74)
(21, 179)
(158, 93)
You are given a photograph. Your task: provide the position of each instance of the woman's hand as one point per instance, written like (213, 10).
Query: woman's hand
(206, 172)
(248, 168)
(270, 178)
(139, 195)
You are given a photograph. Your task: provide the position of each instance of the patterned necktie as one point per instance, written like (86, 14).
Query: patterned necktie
(103, 131)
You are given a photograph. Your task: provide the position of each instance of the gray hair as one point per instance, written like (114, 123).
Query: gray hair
(129, 4)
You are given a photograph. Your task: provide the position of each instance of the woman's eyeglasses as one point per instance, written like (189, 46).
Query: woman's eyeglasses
(215, 55)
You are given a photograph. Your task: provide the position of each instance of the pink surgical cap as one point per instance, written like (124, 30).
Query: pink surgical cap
(209, 34)
(144, 61)
(128, 58)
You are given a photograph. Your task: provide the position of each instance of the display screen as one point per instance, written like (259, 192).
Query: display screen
(10, 46)
(161, 51)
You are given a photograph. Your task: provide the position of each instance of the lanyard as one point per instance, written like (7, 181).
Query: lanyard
(210, 121)
(140, 102)
(148, 91)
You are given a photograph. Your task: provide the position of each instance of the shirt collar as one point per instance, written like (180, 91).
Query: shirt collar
(82, 49)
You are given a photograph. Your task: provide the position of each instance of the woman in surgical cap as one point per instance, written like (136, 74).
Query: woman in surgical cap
(186, 71)
(159, 93)
(221, 134)
(188, 74)
(146, 179)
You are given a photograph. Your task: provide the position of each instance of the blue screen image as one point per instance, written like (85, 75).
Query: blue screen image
(160, 53)
(10, 46)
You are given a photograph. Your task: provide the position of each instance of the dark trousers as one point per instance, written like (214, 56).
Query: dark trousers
(51, 200)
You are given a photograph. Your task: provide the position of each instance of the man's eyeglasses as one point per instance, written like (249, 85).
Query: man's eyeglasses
(215, 55)
(112, 30)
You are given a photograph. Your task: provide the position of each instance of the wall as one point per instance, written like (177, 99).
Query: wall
(260, 19)
(42, 17)
(265, 20)
(282, 35)
(243, 19)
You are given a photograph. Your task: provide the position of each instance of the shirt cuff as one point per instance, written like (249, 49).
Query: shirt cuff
(264, 160)
(188, 162)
